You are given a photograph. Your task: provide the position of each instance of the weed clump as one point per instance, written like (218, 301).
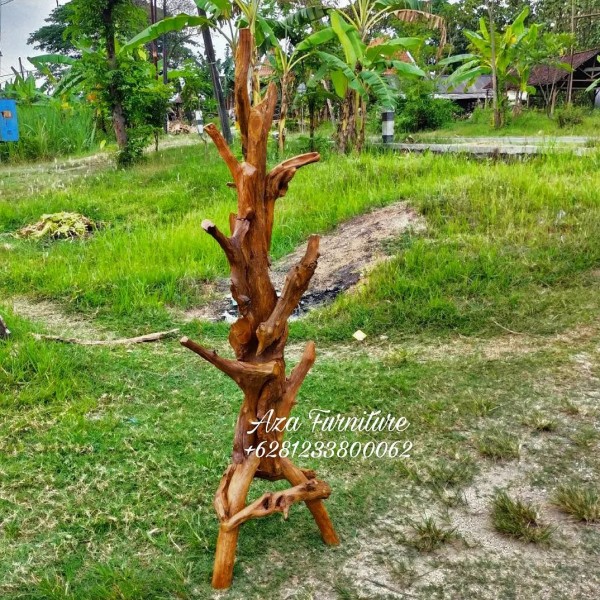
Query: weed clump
(518, 519)
(499, 446)
(580, 502)
(59, 226)
(429, 536)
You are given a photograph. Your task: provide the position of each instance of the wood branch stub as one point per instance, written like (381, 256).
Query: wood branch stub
(277, 184)
(296, 379)
(296, 283)
(247, 375)
(225, 151)
(142, 339)
(259, 125)
(280, 176)
(273, 502)
(221, 239)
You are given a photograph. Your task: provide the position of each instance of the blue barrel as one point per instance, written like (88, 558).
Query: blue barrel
(9, 125)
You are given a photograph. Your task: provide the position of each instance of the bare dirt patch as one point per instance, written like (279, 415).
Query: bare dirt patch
(347, 254)
(54, 318)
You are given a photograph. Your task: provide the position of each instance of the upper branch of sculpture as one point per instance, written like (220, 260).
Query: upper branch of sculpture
(259, 335)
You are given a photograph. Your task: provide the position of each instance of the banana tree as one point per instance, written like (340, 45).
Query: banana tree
(284, 57)
(492, 54)
(24, 90)
(109, 70)
(366, 16)
(536, 49)
(364, 71)
(419, 11)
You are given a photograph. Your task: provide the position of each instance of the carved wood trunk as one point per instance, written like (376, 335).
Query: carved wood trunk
(259, 336)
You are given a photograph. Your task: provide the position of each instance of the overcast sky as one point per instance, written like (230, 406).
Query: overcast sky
(22, 17)
(19, 19)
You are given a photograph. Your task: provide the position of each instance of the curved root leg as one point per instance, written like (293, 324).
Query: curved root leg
(231, 499)
(296, 477)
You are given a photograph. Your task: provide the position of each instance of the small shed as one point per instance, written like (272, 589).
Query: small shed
(550, 80)
(466, 96)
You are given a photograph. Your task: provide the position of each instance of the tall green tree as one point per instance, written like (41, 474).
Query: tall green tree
(101, 21)
(493, 52)
(117, 76)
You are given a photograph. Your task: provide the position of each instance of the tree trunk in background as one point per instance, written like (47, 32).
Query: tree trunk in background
(312, 115)
(119, 125)
(345, 123)
(495, 90)
(209, 51)
(260, 334)
(360, 142)
(117, 112)
(283, 111)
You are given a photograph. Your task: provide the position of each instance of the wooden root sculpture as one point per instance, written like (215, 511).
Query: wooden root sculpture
(260, 334)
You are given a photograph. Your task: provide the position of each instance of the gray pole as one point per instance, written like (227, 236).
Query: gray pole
(209, 50)
(387, 125)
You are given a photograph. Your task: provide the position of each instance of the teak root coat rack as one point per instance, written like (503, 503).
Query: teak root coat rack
(260, 334)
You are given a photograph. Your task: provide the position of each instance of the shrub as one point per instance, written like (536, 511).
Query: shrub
(569, 116)
(137, 141)
(418, 110)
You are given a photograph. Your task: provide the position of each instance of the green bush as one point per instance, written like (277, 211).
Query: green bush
(418, 110)
(137, 141)
(570, 116)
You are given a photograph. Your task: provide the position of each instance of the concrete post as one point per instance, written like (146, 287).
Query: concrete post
(200, 122)
(387, 125)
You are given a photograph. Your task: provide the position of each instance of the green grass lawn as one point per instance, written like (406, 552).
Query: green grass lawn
(530, 123)
(483, 332)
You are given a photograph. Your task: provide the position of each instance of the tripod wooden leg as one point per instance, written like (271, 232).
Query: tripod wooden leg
(225, 558)
(230, 499)
(295, 476)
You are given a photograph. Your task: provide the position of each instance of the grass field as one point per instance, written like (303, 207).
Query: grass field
(483, 332)
(529, 123)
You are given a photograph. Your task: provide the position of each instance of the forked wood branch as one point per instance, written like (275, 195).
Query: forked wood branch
(243, 373)
(296, 283)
